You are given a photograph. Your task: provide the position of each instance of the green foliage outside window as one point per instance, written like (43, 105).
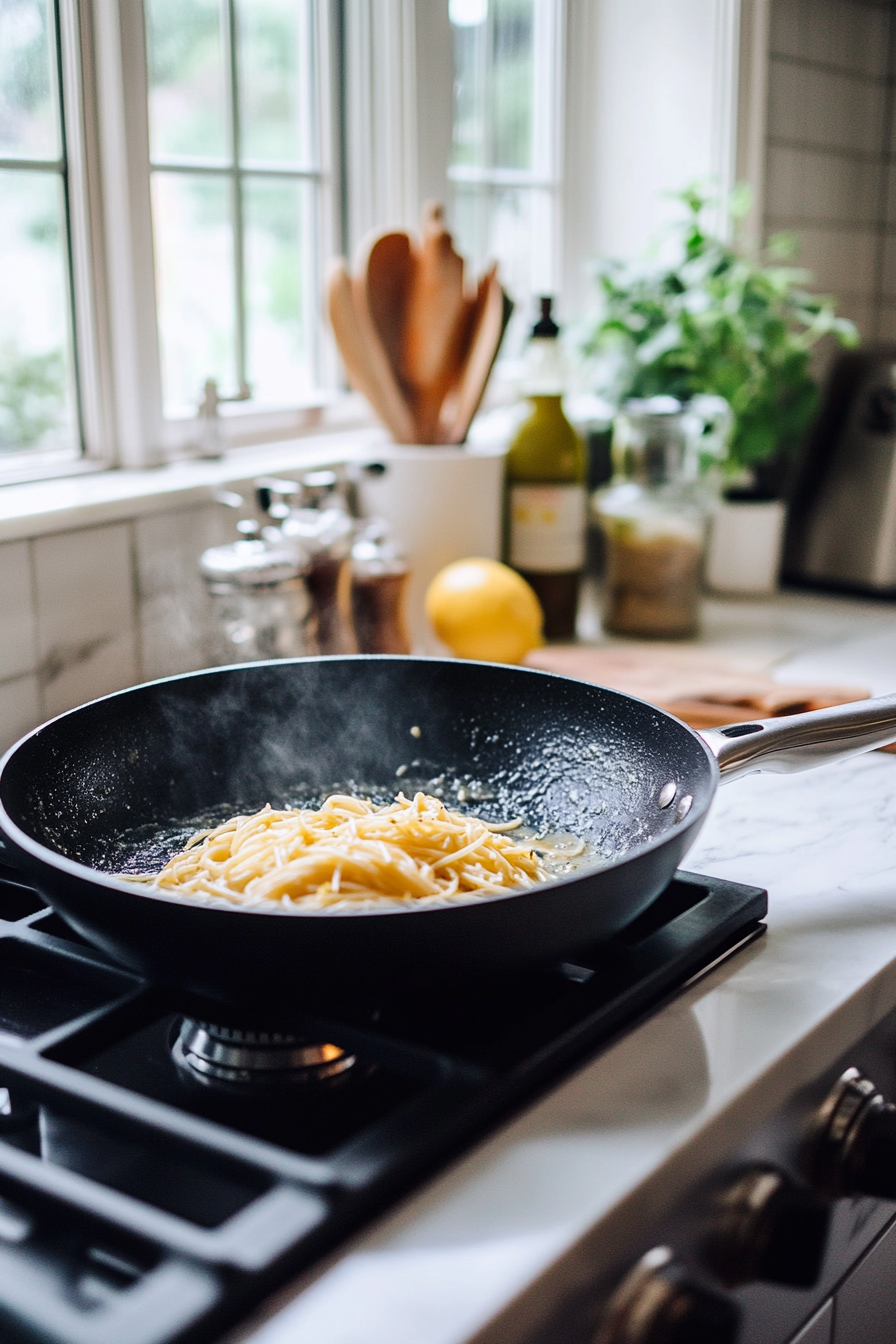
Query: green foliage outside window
(32, 392)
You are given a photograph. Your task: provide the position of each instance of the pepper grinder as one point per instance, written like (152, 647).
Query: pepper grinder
(379, 583)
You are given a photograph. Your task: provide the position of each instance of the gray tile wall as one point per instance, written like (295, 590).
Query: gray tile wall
(831, 138)
(86, 612)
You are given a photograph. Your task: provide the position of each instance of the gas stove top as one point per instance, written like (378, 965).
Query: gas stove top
(161, 1173)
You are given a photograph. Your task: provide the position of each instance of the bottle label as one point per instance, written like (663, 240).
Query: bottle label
(547, 528)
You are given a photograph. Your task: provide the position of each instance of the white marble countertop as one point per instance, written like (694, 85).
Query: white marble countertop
(487, 1249)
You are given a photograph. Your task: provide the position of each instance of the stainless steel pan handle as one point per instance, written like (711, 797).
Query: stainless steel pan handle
(801, 741)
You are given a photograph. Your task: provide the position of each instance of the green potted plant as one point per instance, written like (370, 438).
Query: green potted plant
(711, 319)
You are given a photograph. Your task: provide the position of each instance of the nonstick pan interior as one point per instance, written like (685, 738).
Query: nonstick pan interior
(82, 792)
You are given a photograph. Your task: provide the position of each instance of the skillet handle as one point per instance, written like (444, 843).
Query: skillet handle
(802, 741)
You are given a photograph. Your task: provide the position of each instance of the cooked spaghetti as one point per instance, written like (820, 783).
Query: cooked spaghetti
(351, 854)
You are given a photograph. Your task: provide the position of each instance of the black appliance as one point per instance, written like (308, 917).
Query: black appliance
(841, 531)
(160, 1176)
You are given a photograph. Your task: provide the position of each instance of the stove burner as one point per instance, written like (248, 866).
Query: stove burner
(273, 1123)
(255, 1059)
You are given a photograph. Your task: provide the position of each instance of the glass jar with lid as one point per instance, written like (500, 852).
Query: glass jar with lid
(653, 514)
(379, 583)
(322, 530)
(262, 607)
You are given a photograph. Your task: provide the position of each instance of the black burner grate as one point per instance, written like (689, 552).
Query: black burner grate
(140, 1203)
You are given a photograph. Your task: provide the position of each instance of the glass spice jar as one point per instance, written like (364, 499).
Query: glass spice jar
(259, 598)
(323, 530)
(379, 582)
(653, 514)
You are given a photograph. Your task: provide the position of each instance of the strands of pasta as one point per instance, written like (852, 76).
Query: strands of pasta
(351, 854)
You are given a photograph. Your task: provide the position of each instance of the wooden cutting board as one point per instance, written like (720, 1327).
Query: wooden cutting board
(705, 688)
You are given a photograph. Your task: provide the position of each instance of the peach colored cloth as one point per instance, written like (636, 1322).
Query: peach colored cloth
(701, 686)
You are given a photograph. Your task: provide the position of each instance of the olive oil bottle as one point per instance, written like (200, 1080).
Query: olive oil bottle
(547, 498)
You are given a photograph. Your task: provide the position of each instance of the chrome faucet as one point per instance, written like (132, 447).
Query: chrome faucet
(211, 441)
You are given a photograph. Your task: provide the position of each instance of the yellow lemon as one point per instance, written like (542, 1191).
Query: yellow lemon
(482, 609)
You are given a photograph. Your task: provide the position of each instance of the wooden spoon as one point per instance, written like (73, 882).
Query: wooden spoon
(366, 364)
(384, 269)
(491, 315)
(436, 317)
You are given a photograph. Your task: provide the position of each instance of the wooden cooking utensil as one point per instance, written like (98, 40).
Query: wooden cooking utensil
(366, 363)
(385, 268)
(436, 320)
(491, 313)
(389, 383)
(414, 341)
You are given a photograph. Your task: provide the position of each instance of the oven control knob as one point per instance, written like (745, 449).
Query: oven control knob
(766, 1228)
(659, 1302)
(851, 1149)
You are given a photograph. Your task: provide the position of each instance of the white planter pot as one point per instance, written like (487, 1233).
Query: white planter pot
(744, 551)
(442, 504)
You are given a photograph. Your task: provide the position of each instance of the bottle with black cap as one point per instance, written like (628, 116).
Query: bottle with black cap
(546, 474)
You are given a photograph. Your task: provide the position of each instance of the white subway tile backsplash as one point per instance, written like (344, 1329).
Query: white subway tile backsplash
(805, 186)
(847, 34)
(85, 614)
(891, 196)
(20, 709)
(786, 30)
(109, 664)
(888, 285)
(861, 311)
(18, 634)
(84, 585)
(818, 107)
(842, 260)
(826, 171)
(175, 613)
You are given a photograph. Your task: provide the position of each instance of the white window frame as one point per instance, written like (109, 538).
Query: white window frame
(390, 123)
(124, 381)
(91, 403)
(385, 106)
(381, 117)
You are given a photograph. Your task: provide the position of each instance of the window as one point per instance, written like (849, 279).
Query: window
(163, 220)
(38, 402)
(167, 169)
(504, 170)
(235, 185)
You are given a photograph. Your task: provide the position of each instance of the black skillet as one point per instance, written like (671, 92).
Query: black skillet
(632, 781)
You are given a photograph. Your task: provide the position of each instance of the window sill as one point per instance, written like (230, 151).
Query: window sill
(85, 500)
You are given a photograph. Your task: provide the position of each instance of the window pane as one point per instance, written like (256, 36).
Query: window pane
(511, 84)
(469, 126)
(515, 227)
(493, 84)
(188, 83)
(193, 230)
(37, 404)
(275, 79)
(29, 121)
(281, 292)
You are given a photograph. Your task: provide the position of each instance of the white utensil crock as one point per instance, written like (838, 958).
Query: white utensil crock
(442, 504)
(744, 552)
